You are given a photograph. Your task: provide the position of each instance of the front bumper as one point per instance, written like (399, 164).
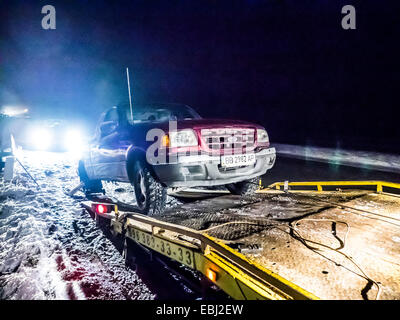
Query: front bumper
(205, 170)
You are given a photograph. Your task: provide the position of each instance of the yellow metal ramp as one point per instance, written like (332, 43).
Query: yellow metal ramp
(286, 242)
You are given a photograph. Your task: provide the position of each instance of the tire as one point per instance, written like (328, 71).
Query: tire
(244, 188)
(151, 195)
(89, 186)
(128, 254)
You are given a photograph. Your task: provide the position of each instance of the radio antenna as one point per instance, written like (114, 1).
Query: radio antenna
(129, 91)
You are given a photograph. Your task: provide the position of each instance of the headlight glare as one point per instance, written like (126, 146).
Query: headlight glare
(73, 141)
(41, 138)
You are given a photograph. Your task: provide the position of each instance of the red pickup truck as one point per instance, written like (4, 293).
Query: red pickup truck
(159, 146)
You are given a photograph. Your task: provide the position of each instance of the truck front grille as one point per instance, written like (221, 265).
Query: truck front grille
(229, 140)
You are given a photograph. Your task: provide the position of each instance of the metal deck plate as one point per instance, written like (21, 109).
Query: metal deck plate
(252, 214)
(372, 241)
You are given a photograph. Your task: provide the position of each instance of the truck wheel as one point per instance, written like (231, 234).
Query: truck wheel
(89, 186)
(151, 195)
(128, 253)
(244, 188)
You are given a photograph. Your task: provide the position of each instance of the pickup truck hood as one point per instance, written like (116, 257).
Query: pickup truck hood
(196, 124)
(138, 131)
(215, 123)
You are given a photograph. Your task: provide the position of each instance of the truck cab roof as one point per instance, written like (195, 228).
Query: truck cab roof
(158, 112)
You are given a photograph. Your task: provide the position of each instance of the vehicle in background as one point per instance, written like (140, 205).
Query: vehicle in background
(47, 134)
(200, 152)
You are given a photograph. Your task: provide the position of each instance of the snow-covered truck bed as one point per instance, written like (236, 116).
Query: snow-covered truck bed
(298, 244)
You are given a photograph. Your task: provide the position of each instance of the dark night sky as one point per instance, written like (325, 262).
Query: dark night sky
(287, 65)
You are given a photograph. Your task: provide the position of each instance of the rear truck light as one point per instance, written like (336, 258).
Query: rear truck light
(104, 208)
(212, 275)
(100, 208)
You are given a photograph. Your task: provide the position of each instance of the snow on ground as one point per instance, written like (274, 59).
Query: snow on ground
(360, 159)
(49, 247)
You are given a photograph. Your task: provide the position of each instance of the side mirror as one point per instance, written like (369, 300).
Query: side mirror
(107, 128)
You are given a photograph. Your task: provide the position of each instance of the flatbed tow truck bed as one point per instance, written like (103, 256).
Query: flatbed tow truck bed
(284, 244)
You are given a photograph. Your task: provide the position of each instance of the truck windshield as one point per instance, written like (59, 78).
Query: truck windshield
(161, 113)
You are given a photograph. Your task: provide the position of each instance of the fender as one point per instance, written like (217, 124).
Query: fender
(133, 154)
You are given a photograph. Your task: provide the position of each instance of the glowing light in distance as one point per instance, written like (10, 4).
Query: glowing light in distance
(74, 141)
(41, 138)
(14, 111)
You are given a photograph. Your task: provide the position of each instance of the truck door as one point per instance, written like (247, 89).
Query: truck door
(108, 153)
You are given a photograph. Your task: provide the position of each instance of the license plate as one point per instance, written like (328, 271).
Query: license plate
(167, 248)
(238, 160)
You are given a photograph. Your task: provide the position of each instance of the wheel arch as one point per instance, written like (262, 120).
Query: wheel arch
(135, 154)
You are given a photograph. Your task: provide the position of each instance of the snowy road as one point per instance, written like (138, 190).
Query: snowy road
(49, 248)
(354, 158)
(292, 169)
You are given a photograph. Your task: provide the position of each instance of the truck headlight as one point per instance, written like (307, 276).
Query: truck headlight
(262, 136)
(183, 138)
